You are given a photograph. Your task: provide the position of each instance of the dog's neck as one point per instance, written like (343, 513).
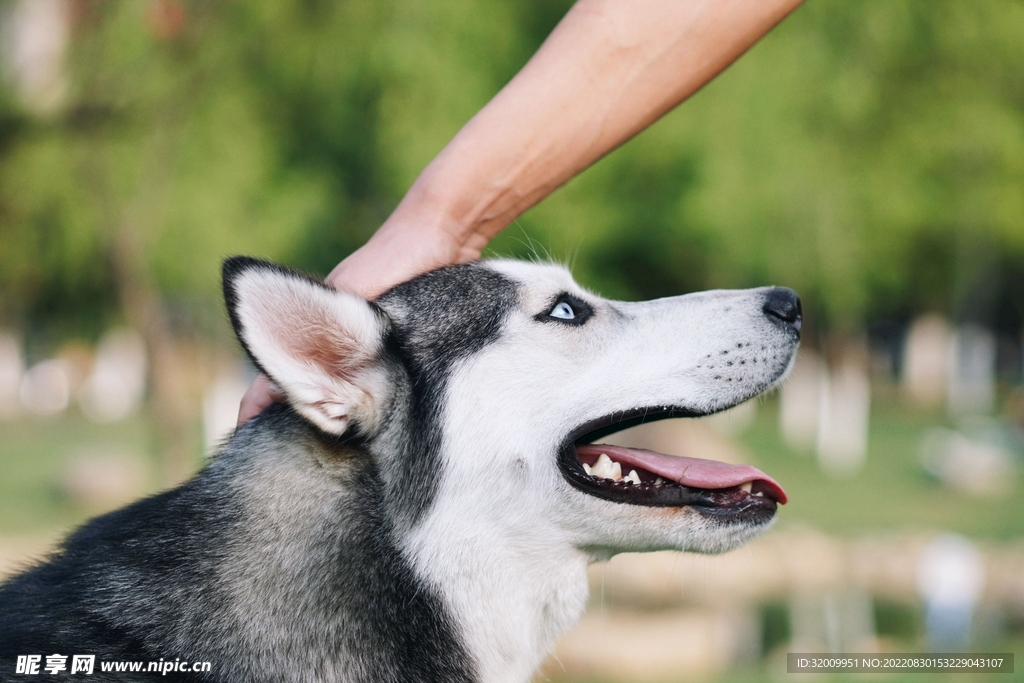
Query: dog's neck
(319, 574)
(511, 590)
(509, 578)
(509, 574)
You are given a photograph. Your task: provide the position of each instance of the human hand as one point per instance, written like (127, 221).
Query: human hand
(409, 243)
(258, 397)
(608, 71)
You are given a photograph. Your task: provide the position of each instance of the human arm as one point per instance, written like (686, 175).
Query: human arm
(608, 70)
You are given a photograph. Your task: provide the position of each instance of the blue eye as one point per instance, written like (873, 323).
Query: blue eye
(566, 309)
(563, 311)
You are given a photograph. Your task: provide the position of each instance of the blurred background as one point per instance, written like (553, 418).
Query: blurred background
(868, 155)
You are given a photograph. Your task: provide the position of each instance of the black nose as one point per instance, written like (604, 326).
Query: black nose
(784, 304)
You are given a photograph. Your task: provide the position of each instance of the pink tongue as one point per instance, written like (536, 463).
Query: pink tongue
(693, 472)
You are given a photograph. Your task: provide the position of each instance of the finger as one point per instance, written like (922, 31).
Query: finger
(392, 256)
(261, 394)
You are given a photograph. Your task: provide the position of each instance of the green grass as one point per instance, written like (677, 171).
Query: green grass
(762, 676)
(34, 455)
(774, 671)
(891, 492)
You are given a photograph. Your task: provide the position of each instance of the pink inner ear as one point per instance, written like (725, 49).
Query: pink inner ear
(318, 338)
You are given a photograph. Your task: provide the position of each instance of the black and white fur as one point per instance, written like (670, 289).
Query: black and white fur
(404, 517)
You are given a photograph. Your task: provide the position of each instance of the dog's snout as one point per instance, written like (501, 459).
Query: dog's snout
(784, 304)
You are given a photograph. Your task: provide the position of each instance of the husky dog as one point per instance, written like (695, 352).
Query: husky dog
(425, 506)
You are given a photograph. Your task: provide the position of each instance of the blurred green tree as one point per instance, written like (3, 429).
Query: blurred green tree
(858, 152)
(870, 155)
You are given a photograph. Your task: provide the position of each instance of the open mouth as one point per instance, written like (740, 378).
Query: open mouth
(639, 477)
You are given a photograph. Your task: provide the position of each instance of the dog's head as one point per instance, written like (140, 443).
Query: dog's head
(479, 388)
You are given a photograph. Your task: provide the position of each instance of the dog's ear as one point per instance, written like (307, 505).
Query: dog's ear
(321, 346)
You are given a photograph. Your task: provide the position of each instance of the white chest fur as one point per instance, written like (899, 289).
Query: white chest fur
(511, 590)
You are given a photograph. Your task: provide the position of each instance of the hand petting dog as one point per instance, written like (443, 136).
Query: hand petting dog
(607, 72)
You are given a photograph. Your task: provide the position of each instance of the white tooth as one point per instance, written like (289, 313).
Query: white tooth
(633, 477)
(659, 481)
(586, 468)
(746, 487)
(602, 469)
(616, 471)
(759, 494)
